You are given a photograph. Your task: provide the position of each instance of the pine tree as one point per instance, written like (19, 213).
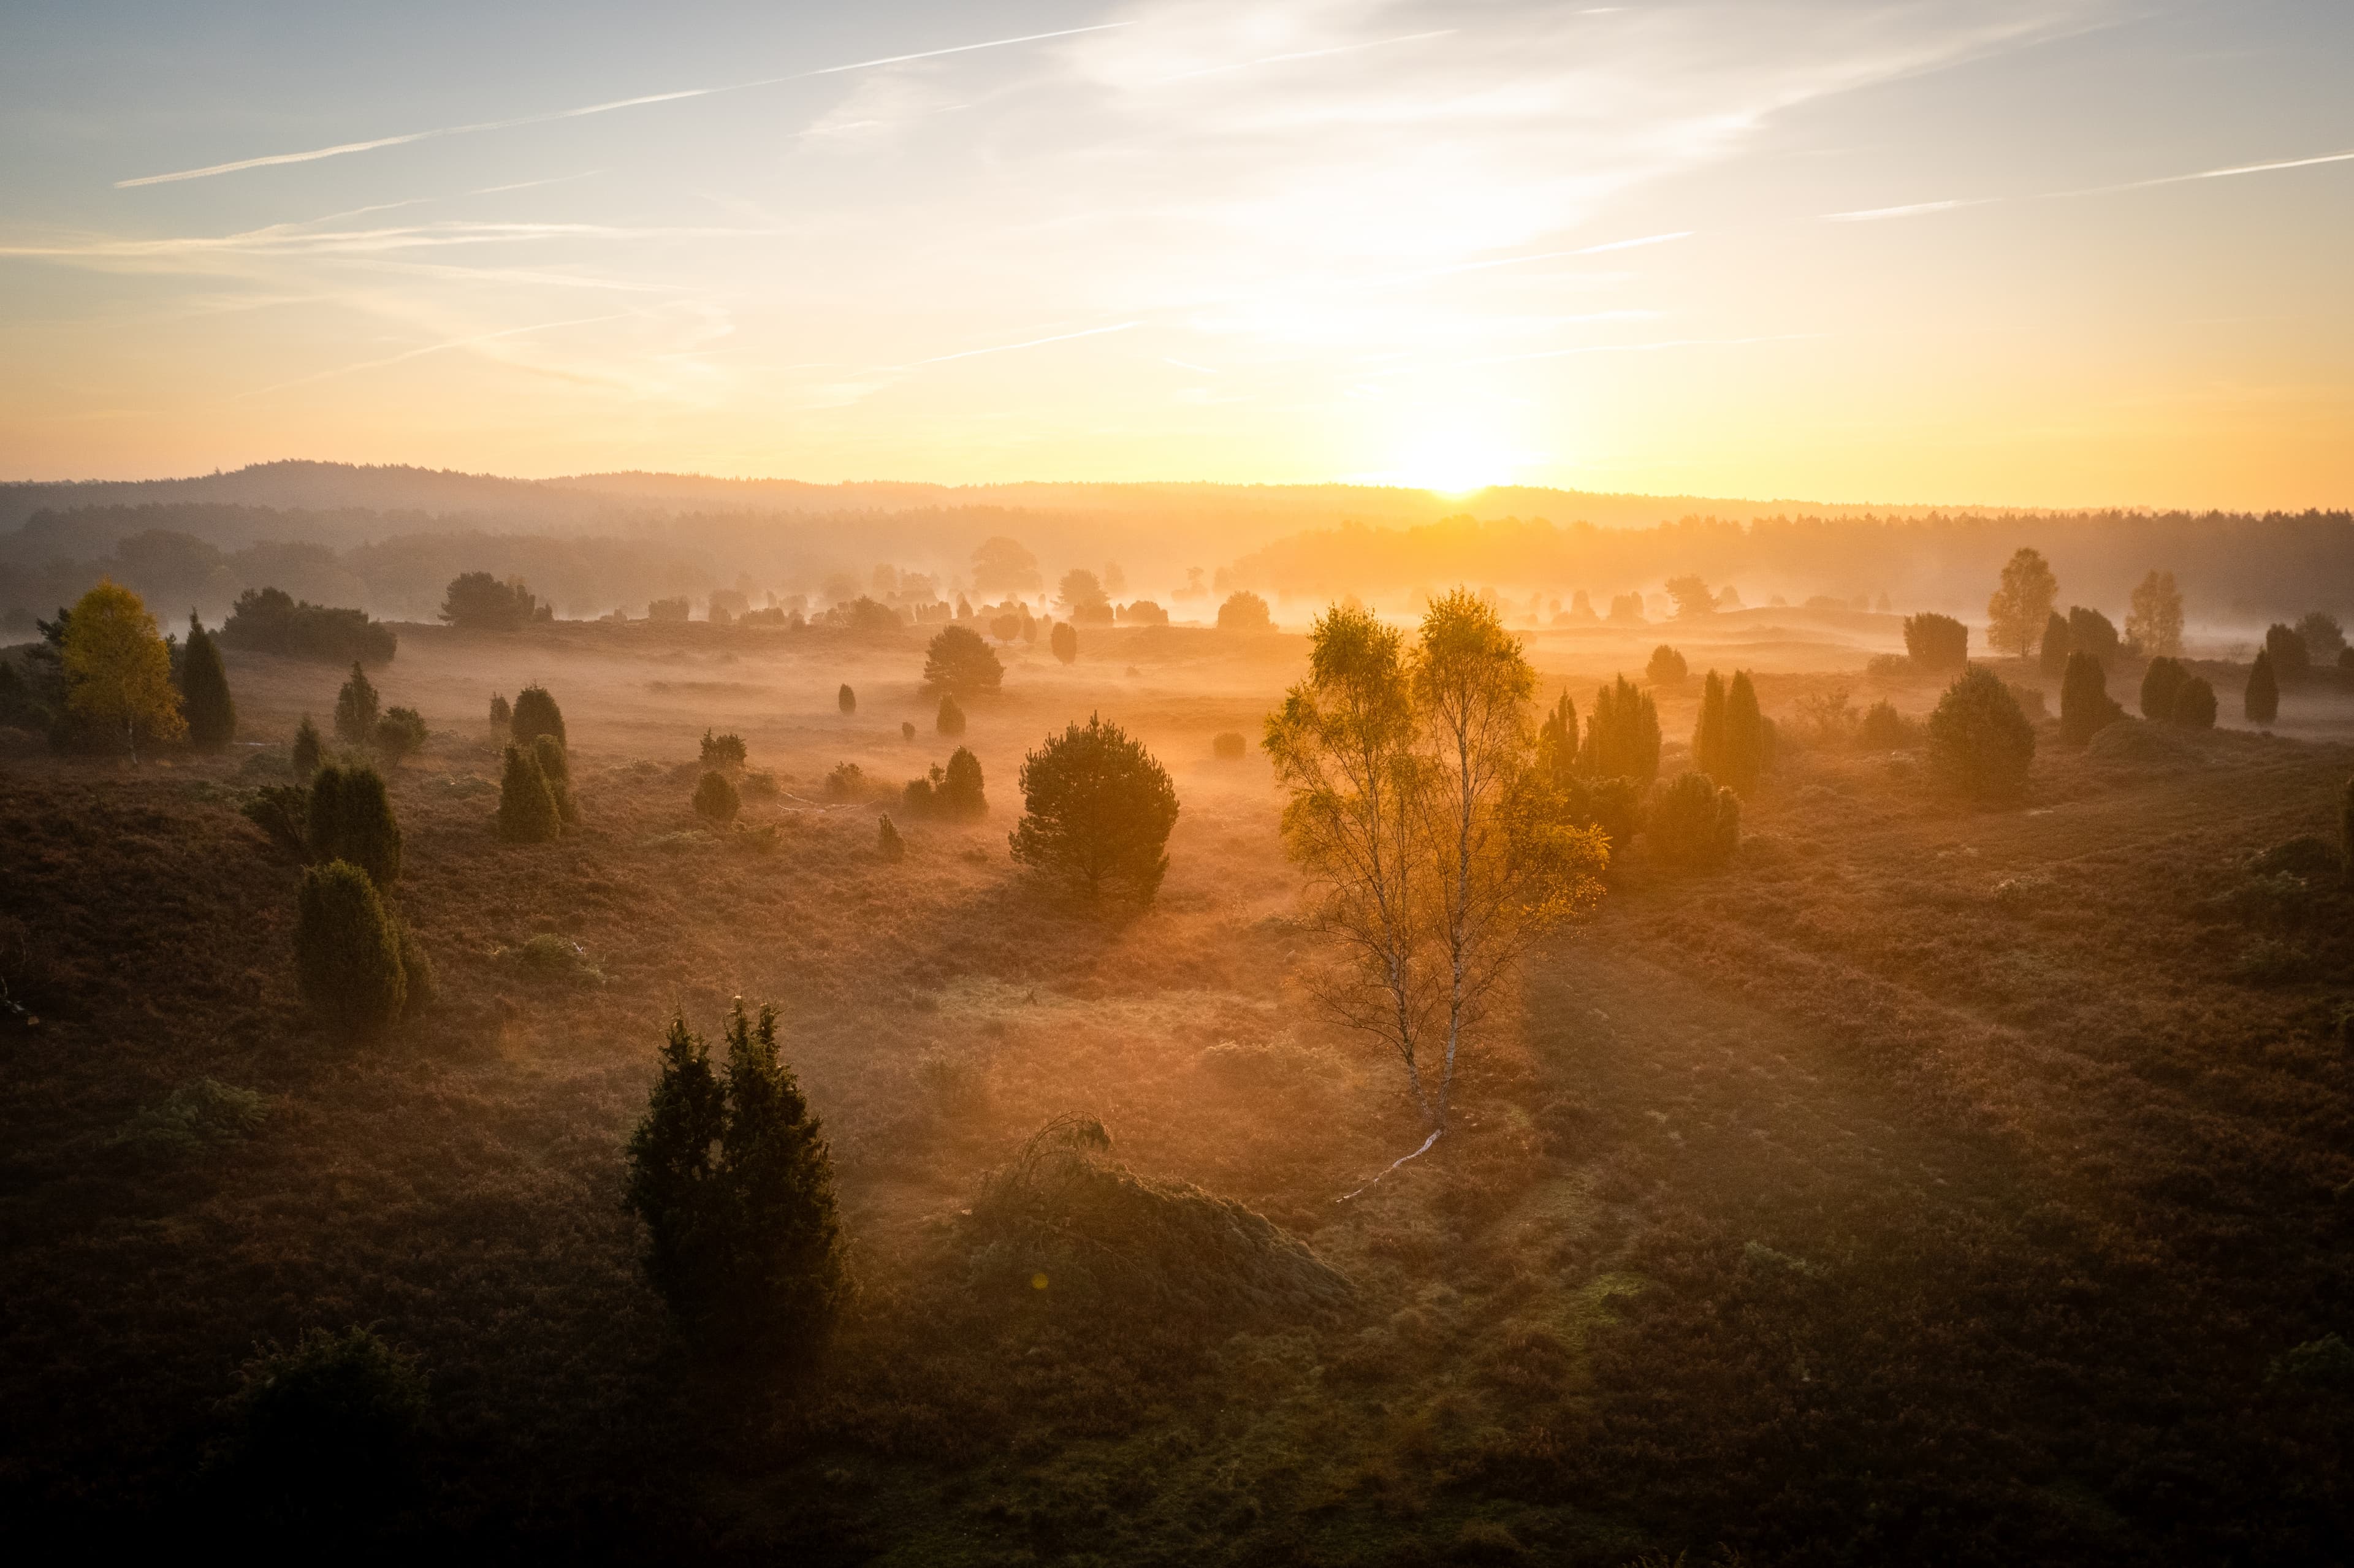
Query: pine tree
(534, 715)
(2262, 701)
(501, 716)
(356, 708)
(1708, 753)
(959, 794)
(1746, 736)
(347, 951)
(1622, 737)
(1098, 812)
(1556, 759)
(309, 749)
(732, 1177)
(556, 766)
(350, 818)
(527, 809)
(203, 691)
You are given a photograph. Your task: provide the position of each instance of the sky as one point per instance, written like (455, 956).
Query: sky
(2066, 252)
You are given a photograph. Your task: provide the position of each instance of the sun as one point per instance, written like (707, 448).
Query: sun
(1455, 461)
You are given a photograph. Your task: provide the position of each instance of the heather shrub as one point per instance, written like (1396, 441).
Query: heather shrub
(195, 1120)
(1228, 745)
(527, 809)
(1097, 811)
(1979, 743)
(556, 767)
(2161, 683)
(534, 715)
(950, 720)
(308, 749)
(958, 662)
(1064, 641)
(356, 708)
(724, 752)
(501, 716)
(887, 841)
(349, 817)
(2085, 705)
(846, 782)
(1667, 667)
(347, 950)
(1937, 641)
(1885, 729)
(2194, 704)
(204, 700)
(715, 798)
(1694, 823)
(730, 1174)
(283, 811)
(400, 734)
(846, 699)
(324, 1436)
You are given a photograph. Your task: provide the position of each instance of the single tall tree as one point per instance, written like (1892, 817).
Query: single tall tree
(2022, 602)
(2085, 705)
(1096, 811)
(350, 818)
(959, 663)
(118, 671)
(1557, 742)
(1745, 737)
(1708, 734)
(1622, 737)
(357, 708)
(203, 690)
(2054, 649)
(2154, 620)
(2261, 702)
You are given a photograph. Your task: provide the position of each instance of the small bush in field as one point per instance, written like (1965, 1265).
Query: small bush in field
(349, 817)
(527, 809)
(356, 708)
(846, 782)
(324, 1435)
(2161, 683)
(1228, 746)
(2194, 704)
(1063, 641)
(283, 811)
(1979, 743)
(556, 766)
(724, 752)
(906, 729)
(1885, 729)
(195, 1120)
(950, 721)
(762, 785)
(308, 750)
(887, 841)
(715, 798)
(1694, 823)
(1668, 667)
(501, 716)
(2261, 700)
(2085, 705)
(846, 699)
(347, 950)
(959, 794)
(1097, 811)
(732, 1178)
(400, 734)
(534, 715)
(1937, 641)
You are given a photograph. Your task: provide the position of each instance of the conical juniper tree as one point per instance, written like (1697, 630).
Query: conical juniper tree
(1745, 737)
(357, 708)
(535, 713)
(1708, 744)
(350, 818)
(204, 700)
(527, 809)
(347, 950)
(733, 1179)
(2261, 702)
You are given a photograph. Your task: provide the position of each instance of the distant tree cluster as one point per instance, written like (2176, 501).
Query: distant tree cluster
(1245, 612)
(1732, 742)
(269, 620)
(477, 601)
(2171, 694)
(954, 793)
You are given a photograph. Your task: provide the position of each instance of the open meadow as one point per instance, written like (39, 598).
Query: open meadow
(1924, 1182)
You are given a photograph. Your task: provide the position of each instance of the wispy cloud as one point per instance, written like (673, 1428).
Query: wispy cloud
(1921, 208)
(475, 341)
(302, 240)
(343, 148)
(1010, 347)
(1326, 53)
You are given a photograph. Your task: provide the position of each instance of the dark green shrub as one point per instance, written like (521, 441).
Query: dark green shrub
(732, 1178)
(1667, 667)
(846, 699)
(1748, 739)
(846, 782)
(1708, 742)
(1064, 641)
(2261, 702)
(725, 752)
(2085, 705)
(2292, 659)
(2091, 634)
(1622, 738)
(2194, 704)
(958, 792)
(501, 716)
(1981, 744)
(349, 817)
(2056, 648)
(916, 800)
(271, 620)
(951, 721)
(1097, 815)
(1228, 745)
(1245, 612)
(309, 749)
(527, 809)
(536, 714)
(347, 950)
(325, 1437)
(355, 709)
(205, 701)
(477, 601)
(283, 811)
(1694, 823)
(715, 798)
(1937, 641)
(195, 1120)
(400, 734)
(1614, 805)
(958, 662)
(887, 841)
(1885, 729)
(2161, 683)
(556, 766)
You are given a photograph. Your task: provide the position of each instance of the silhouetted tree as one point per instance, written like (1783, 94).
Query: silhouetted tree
(2091, 632)
(1981, 744)
(1667, 667)
(1228, 745)
(732, 1178)
(725, 752)
(1692, 599)
(2054, 657)
(2160, 684)
(1747, 738)
(1937, 641)
(355, 709)
(271, 620)
(950, 721)
(349, 817)
(1096, 812)
(1002, 567)
(203, 691)
(957, 663)
(477, 601)
(2022, 602)
(2194, 704)
(715, 798)
(2085, 705)
(1708, 742)
(1622, 737)
(2291, 660)
(1083, 597)
(309, 749)
(846, 699)
(1063, 641)
(2154, 620)
(323, 1441)
(555, 765)
(2261, 702)
(1694, 823)
(887, 841)
(958, 792)
(1556, 756)
(2324, 639)
(501, 716)
(398, 734)
(527, 809)
(534, 715)
(1245, 612)
(347, 951)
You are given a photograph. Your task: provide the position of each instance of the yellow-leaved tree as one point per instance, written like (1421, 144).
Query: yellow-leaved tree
(118, 671)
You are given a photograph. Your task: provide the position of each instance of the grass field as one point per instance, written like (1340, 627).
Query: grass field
(1928, 1185)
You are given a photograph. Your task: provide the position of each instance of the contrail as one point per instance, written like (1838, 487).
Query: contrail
(1006, 348)
(1920, 208)
(1309, 55)
(341, 148)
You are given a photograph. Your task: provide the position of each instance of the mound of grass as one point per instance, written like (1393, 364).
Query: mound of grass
(197, 1118)
(550, 957)
(1065, 1217)
(2139, 746)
